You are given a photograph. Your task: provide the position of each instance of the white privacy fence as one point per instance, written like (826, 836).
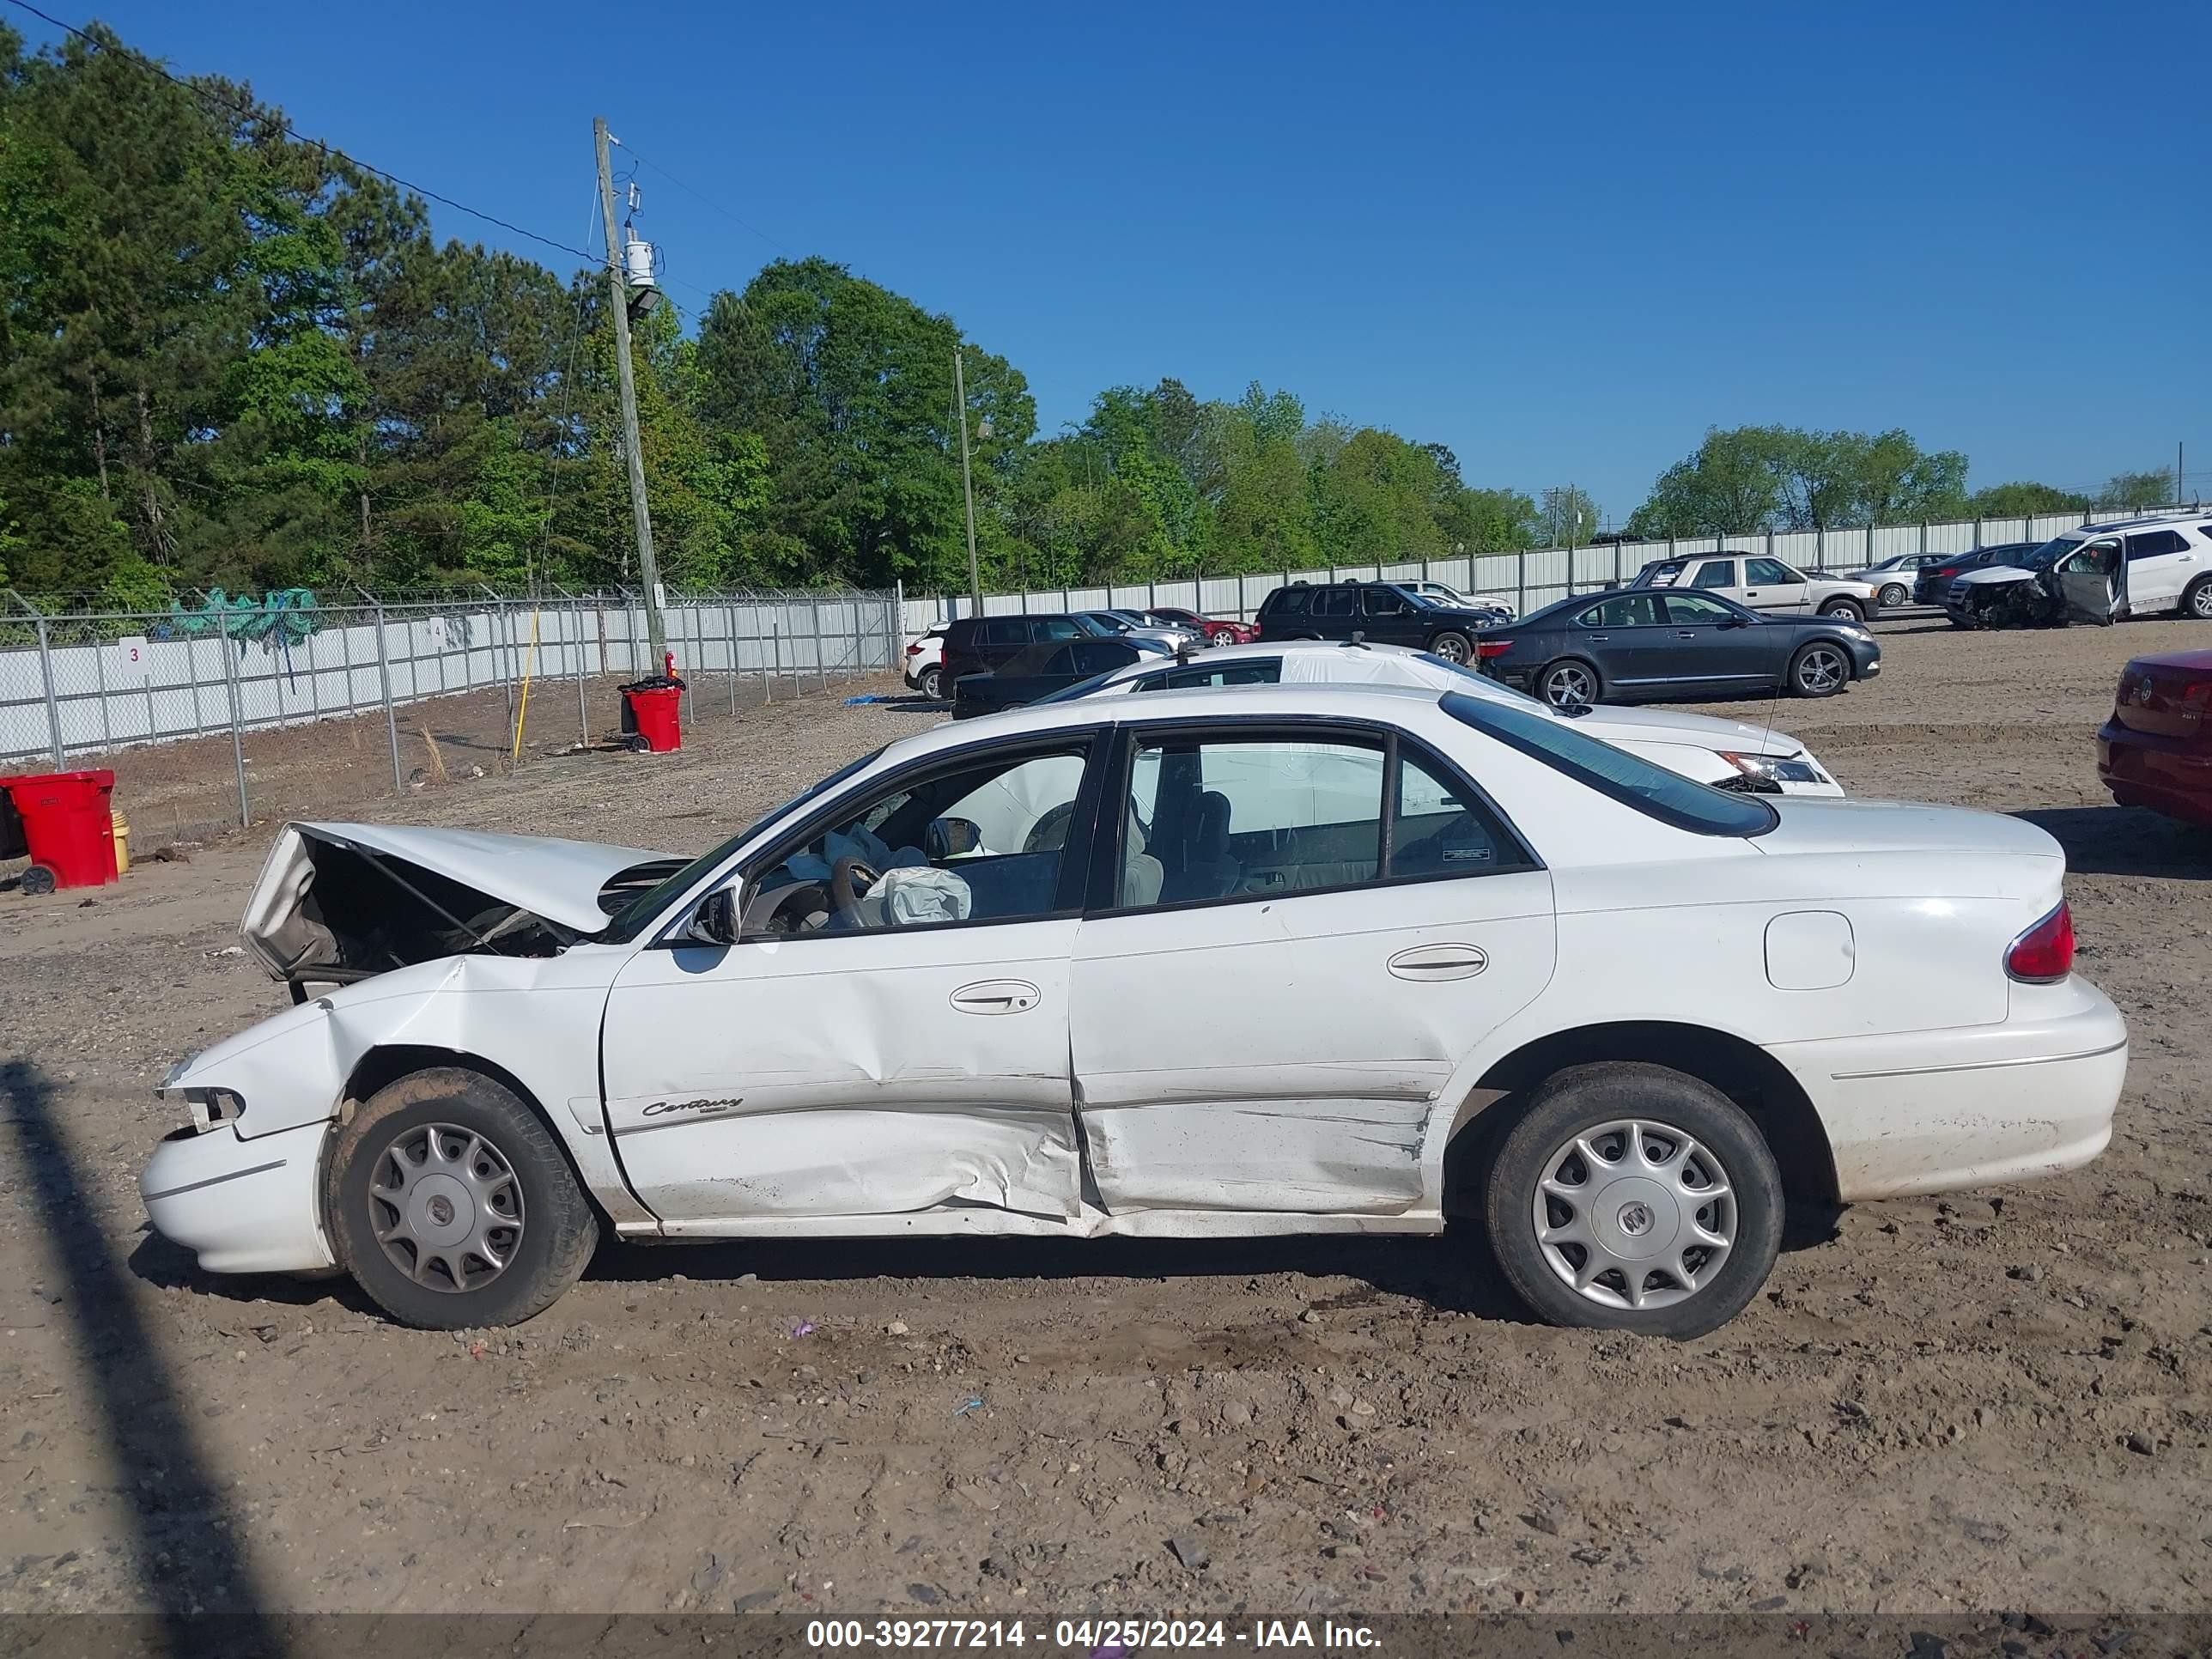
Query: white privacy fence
(74, 685)
(1530, 580)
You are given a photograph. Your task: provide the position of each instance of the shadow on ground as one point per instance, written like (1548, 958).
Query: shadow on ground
(189, 1548)
(2125, 841)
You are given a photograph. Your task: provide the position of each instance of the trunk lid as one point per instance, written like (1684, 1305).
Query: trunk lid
(2166, 696)
(337, 902)
(1873, 827)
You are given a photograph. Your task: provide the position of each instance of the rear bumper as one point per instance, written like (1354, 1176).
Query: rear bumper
(241, 1206)
(2172, 775)
(1974, 1106)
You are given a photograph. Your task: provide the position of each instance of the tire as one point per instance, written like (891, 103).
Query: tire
(1221, 636)
(1556, 683)
(932, 684)
(1891, 596)
(1453, 647)
(470, 1113)
(1686, 1128)
(38, 881)
(2196, 603)
(1819, 670)
(1845, 608)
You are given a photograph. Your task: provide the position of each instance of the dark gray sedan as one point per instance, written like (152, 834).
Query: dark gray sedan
(1631, 646)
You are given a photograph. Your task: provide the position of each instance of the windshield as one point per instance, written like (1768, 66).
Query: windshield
(1615, 773)
(2042, 558)
(632, 919)
(1427, 601)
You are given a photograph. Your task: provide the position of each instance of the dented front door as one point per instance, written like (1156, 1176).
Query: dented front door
(2093, 581)
(847, 1074)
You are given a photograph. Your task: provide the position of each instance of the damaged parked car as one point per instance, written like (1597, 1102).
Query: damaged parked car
(2098, 574)
(1243, 960)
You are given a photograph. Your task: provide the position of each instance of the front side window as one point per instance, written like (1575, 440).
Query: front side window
(1716, 573)
(1649, 788)
(1697, 610)
(1768, 573)
(981, 843)
(1058, 627)
(1385, 601)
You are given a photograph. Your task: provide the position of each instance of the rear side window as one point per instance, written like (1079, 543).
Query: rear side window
(1264, 672)
(1290, 601)
(1628, 611)
(1333, 602)
(2153, 543)
(1003, 633)
(1716, 573)
(1615, 773)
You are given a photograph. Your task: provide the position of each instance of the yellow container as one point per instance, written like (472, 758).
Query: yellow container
(122, 842)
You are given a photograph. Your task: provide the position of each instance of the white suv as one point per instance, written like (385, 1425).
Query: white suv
(2099, 573)
(1765, 584)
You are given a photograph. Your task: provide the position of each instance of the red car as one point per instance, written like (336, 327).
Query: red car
(2156, 750)
(1215, 630)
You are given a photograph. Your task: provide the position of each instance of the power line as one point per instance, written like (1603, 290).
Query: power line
(736, 219)
(297, 137)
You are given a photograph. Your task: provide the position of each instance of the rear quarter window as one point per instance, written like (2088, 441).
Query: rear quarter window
(1290, 601)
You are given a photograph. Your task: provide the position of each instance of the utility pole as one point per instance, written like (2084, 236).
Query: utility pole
(648, 568)
(966, 483)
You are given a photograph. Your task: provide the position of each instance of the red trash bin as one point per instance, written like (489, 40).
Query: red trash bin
(68, 827)
(653, 714)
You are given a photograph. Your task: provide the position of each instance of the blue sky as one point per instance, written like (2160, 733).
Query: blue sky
(1562, 239)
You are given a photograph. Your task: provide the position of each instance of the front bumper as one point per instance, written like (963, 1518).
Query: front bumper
(241, 1206)
(1973, 1106)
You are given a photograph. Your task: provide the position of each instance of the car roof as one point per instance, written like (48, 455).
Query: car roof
(1305, 699)
(2179, 519)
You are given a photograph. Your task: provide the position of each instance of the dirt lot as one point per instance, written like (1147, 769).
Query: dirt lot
(1993, 1402)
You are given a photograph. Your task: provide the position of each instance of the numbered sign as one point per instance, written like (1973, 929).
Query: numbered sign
(127, 660)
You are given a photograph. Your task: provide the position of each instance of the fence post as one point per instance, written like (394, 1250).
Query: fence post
(506, 658)
(583, 715)
(730, 615)
(99, 673)
(1869, 543)
(53, 703)
(237, 738)
(814, 626)
(391, 719)
(698, 659)
(775, 641)
(1924, 535)
(1521, 581)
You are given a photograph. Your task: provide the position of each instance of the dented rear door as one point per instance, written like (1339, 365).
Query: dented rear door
(1261, 1024)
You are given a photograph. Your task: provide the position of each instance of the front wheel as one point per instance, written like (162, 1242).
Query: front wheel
(1892, 596)
(1632, 1197)
(1452, 648)
(450, 1203)
(1819, 670)
(1568, 684)
(1222, 636)
(1843, 610)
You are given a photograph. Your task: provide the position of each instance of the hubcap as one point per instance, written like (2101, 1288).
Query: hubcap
(445, 1204)
(1567, 688)
(2201, 601)
(1819, 670)
(1451, 649)
(1634, 1214)
(1892, 597)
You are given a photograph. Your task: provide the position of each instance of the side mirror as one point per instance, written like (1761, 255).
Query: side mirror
(716, 921)
(949, 838)
(1736, 621)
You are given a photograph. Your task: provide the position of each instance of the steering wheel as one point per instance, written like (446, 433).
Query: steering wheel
(1050, 833)
(849, 881)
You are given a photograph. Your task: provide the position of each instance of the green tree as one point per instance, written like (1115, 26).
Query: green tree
(2023, 500)
(2130, 492)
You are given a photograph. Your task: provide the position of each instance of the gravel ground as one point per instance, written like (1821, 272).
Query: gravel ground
(1994, 1401)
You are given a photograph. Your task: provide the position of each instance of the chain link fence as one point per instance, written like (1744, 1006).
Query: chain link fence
(364, 697)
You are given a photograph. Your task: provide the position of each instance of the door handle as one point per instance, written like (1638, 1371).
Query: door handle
(1685, 634)
(1440, 962)
(997, 996)
(1601, 638)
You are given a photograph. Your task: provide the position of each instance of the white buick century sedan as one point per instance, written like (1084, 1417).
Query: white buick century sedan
(1249, 960)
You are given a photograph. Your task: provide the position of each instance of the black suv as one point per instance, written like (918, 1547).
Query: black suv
(976, 645)
(1382, 611)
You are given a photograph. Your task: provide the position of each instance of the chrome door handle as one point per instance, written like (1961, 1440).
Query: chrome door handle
(1686, 634)
(1440, 962)
(1601, 638)
(997, 996)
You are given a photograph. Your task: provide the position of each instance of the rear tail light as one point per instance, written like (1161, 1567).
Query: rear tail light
(914, 650)
(2044, 954)
(1487, 648)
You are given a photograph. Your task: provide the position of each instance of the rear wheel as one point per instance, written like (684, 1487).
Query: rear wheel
(2198, 601)
(1568, 683)
(932, 683)
(1819, 670)
(1452, 648)
(450, 1203)
(1630, 1197)
(1845, 611)
(38, 880)
(1221, 636)
(1893, 595)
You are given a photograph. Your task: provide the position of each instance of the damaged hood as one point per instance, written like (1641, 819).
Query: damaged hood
(369, 897)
